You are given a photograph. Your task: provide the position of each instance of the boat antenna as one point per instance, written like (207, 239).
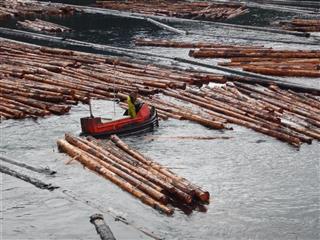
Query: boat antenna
(115, 62)
(90, 108)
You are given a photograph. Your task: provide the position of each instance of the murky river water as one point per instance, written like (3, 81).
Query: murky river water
(261, 188)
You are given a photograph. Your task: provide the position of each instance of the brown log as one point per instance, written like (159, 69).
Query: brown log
(133, 178)
(282, 72)
(86, 160)
(202, 195)
(152, 176)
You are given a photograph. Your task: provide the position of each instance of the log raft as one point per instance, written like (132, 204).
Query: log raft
(43, 26)
(38, 81)
(27, 9)
(301, 25)
(180, 9)
(125, 167)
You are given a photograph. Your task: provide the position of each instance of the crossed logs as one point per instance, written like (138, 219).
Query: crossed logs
(154, 184)
(180, 9)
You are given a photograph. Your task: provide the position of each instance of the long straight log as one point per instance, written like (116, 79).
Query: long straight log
(167, 27)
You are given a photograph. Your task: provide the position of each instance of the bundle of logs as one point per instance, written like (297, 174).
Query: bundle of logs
(38, 81)
(297, 63)
(285, 115)
(43, 26)
(180, 9)
(257, 59)
(22, 9)
(154, 184)
(302, 25)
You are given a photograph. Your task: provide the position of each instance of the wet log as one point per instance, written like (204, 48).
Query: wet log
(44, 26)
(282, 72)
(37, 183)
(38, 170)
(86, 160)
(202, 195)
(123, 172)
(254, 53)
(167, 27)
(240, 119)
(102, 228)
(150, 174)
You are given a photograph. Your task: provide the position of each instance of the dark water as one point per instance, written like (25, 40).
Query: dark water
(261, 188)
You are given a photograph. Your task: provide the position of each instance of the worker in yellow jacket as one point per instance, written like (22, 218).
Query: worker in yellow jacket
(134, 105)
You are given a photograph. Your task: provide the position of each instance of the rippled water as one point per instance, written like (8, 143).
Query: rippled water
(261, 188)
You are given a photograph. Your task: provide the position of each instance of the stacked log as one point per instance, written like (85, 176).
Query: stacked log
(154, 184)
(301, 25)
(257, 59)
(43, 26)
(285, 115)
(38, 81)
(295, 63)
(23, 9)
(180, 9)
(175, 44)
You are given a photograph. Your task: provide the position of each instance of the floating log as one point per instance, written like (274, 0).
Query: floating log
(202, 195)
(15, 8)
(283, 72)
(87, 160)
(302, 25)
(146, 180)
(33, 181)
(167, 27)
(181, 9)
(38, 170)
(102, 228)
(33, 84)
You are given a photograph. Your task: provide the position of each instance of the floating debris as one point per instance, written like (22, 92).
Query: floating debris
(43, 26)
(154, 184)
(179, 9)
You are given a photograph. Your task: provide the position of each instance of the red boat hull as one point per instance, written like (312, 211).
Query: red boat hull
(145, 120)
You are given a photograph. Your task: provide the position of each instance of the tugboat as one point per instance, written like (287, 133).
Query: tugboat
(146, 120)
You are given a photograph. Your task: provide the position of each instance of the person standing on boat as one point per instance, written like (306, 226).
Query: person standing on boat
(134, 105)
